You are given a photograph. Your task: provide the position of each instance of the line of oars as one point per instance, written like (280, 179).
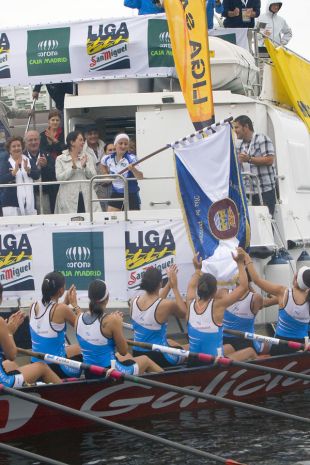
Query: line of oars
(30, 455)
(114, 374)
(225, 361)
(111, 424)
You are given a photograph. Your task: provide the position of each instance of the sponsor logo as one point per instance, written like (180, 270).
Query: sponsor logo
(48, 51)
(159, 44)
(4, 56)
(16, 262)
(223, 219)
(79, 256)
(107, 46)
(146, 249)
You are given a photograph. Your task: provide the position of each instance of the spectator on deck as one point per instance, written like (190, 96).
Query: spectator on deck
(276, 28)
(46, 165)
(240, 13)
(57, 92)
(94, 148)
(257, 150)
(145, 7)
(116, 162)
(211, 6)
(17, 169)
(52, 139)
(74, 165)
(5, 131)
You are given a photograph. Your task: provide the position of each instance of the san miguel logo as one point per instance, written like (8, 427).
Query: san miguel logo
(79, 257)
(223, 219)
(107, 45)
(16, 262)
(4, 56)
(159, 44)
(48, 51)
(146, 249)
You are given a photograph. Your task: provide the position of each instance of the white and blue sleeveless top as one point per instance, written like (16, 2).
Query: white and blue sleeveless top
(7, 379)
(148, 329)
(239, 315)
(96, 348)
(293, 319)
(204, 334)
(46, 336)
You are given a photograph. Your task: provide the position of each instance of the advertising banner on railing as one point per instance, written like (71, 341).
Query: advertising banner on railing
(119, 253)
(95, 49)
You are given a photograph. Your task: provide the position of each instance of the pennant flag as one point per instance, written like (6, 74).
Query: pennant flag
(187, 22)
(293, 72)
(213, 201)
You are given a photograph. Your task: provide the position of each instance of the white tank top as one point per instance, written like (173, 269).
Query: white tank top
(242, 308)
(146, 318)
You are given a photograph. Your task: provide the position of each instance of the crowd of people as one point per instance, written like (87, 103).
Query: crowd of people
(210, 313)
(47, 157)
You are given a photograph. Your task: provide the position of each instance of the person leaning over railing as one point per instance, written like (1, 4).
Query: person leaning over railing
(114, 164)
(74, 165)
(17, 169)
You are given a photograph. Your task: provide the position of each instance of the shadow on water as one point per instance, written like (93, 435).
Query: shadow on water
(239, 434)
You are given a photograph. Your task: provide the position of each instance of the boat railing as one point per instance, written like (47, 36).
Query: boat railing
(250, 181)
(252, 186)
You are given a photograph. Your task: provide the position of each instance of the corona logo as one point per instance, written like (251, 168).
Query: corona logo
(164, 38)
(48, 45)
(78, 254)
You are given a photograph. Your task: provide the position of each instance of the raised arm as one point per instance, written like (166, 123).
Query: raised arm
(193, 283)
(226, 300)
(179, 306)
(267, 286)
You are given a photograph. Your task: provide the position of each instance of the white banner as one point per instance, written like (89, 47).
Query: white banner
(103, 49)
(118, 253)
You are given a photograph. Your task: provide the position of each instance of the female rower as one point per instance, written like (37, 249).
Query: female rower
(151, 311)
(11, 375)
(48, 320)
(294, 305)
(205, 314)
(100, 335)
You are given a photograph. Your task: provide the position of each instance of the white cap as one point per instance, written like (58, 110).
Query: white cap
(120, 136)
(300, 278)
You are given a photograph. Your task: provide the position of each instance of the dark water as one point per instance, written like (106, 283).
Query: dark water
(241, 435)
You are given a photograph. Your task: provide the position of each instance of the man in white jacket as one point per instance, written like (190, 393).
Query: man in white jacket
(276, 28)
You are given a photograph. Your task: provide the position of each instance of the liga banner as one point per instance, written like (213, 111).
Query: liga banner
(213, 200)
(118, 253)
(294, 75)
(189, 38)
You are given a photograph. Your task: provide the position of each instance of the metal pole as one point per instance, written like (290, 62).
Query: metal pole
(31, 115)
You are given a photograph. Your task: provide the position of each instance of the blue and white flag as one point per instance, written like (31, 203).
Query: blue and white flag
(213, 200)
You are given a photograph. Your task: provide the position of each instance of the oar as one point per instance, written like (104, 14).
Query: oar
(102, 421)
(273, 340)
(30, 455)
(117, 375)
(220, 360)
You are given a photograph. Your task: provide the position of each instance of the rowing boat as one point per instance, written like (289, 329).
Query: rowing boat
(123, 401)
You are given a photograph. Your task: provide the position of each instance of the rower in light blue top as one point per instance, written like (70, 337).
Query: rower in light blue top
(206, 307)
(48, 320)
(100, 336)
(294, 305)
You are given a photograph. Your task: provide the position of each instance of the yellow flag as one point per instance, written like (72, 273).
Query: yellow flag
(294, 75)
(188, 30)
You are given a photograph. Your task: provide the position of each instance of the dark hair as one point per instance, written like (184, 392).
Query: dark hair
(71, 137)
(54, 112)
(244, 120)
(13, 139)
(91, 127)
(105, 147)
(52, 282)
(1, 289)
(151, 280)
(207, 286)
(96, 292)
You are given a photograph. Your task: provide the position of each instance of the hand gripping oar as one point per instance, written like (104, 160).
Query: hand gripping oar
(272, 340)
(117, 375)
(225, 361)
(102, 421)
(30, 455)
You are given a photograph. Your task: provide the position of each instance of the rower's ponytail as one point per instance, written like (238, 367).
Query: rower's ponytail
(52, 283)
(98, 296)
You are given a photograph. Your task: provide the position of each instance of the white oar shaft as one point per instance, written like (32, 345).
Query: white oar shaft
(62, 361)
(261, 338)
(170, 350)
